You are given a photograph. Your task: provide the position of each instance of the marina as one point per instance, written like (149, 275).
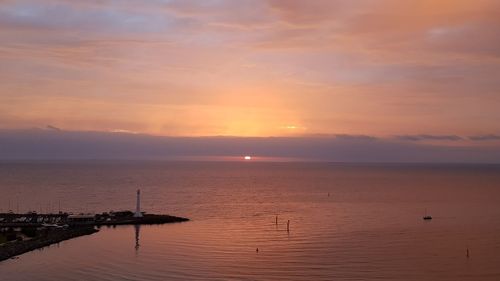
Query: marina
(21, 233)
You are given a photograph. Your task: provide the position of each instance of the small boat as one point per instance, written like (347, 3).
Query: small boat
(426, 216)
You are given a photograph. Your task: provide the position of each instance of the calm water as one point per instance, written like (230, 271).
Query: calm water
(348, 222)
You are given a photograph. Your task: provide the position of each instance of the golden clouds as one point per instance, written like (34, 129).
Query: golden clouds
(251, 68)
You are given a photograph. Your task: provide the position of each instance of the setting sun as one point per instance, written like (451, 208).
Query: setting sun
(248, 157)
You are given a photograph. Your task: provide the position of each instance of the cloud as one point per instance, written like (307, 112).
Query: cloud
(429, 138)
(144, 67)
(355, 137)
(44, 144)
(490, 137)
(53, 128)
(122, 131)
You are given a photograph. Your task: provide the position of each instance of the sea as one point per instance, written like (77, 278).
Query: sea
(346, 221)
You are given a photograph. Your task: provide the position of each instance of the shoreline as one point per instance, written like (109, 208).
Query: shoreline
(53, 236)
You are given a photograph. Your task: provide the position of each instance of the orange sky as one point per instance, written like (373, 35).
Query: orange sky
(252, 68)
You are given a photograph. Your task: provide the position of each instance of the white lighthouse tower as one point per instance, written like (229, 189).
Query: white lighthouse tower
(138, 213)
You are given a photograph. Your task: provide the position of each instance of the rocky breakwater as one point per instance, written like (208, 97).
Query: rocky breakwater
(42, 238)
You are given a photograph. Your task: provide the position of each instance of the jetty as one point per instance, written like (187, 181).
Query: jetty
(41, 238)
(21, 233)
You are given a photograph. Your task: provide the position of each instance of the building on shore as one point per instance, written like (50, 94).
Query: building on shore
(81, 218)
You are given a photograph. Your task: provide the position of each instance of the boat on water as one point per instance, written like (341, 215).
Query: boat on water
(426, 216)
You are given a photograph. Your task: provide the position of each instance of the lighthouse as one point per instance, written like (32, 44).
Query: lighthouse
(138, 213)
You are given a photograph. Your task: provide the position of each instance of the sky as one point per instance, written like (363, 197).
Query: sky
(404, 72)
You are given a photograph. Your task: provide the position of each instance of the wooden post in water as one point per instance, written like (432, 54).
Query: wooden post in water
(467, 252)
(276, 219)
(288, 226)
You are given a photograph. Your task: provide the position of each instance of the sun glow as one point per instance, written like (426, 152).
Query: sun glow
(248, 157)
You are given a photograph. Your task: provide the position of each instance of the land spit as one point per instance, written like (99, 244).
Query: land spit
(49, 237)
(26, 232)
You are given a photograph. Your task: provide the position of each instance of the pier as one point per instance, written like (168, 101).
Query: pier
(43, 238)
